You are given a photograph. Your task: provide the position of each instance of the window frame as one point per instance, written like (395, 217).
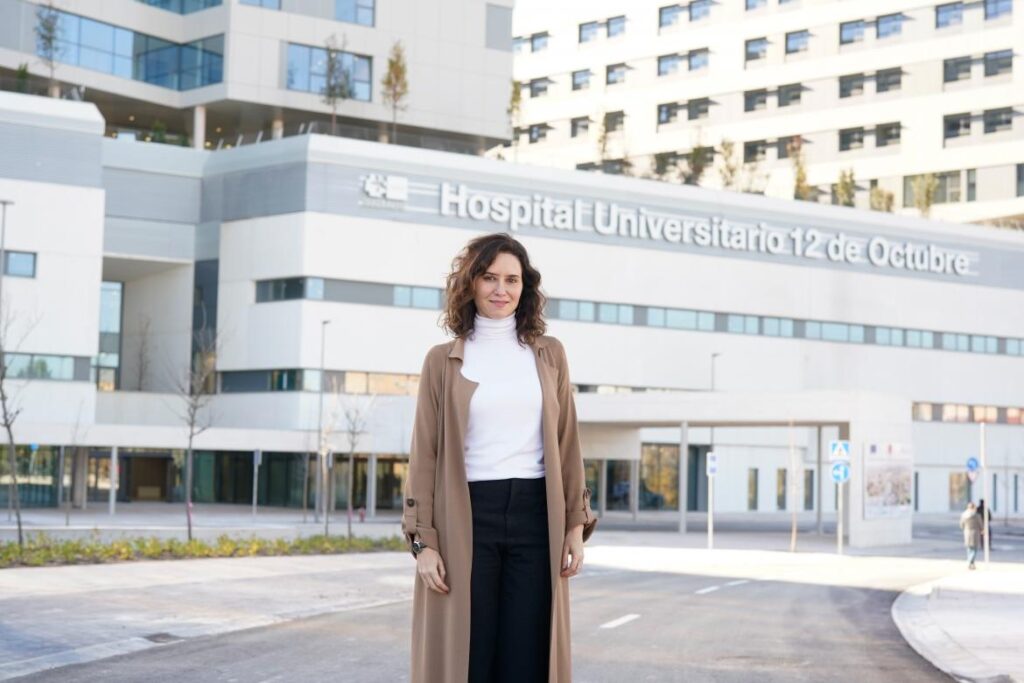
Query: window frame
(803, 36)
(8, 272)
(761, 55)
(859, 27)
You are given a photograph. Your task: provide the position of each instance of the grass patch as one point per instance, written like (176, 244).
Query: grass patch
(41, 550)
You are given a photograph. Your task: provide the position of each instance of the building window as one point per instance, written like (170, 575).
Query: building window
(669, 16)
(888, 80)
(956, 69)
(698, 109)
(668, 64)
(183, 6)
(888, 25)
(538, 132)
(614, 121)
(37, 366)
(777, 327)
(851, 138)
(752, 488)
(887, 134)
(667, 112)
(1020, 180)
(19, 263)
(307, 71)
(589, 31)
(615, 73)
(355, 11)
(998, 63)
(98, 46)
(851, 32)
(947, 190)
(756, 49)
(797, 41)
(951, 14)
(780, 489)
(539, 87)
(997, 8)
(755, 99)
(851, 85)
(265, 4)
(539, 41)
(790, 94)
(579, 126)
(997, 120)
(755, 150)
(956, 126)
(616, 26)
(756, 4)
(700, 9)
(581, 79)
(808, 489)
(698, 59)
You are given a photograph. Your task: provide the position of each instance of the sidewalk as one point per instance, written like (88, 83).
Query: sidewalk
(970, 624)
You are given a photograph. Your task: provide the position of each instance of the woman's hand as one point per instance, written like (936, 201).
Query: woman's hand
(572, 546)
(430, 568)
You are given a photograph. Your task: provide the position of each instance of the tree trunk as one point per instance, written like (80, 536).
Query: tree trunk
(394, 126)
(12, 459)
(188, 487)
(351, 480)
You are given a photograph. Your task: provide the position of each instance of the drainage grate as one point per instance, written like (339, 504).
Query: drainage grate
(162, 638)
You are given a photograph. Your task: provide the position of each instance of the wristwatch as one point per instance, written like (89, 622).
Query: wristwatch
(417, 547)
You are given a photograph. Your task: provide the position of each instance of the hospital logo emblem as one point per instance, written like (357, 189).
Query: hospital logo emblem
(387, 191)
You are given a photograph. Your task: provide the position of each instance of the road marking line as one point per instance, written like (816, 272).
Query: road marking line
(709, 589)
(738, 583)
(615, 623)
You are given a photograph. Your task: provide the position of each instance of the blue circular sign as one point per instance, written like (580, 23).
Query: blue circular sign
(972, 464)
(840, 472)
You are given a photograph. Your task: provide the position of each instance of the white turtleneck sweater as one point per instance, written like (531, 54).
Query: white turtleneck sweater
(503, 439)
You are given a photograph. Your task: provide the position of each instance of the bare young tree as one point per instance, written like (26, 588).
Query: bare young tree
(846, 188)
(730, 169)
(801, 189)
(337, 81)
(195, 387)
(10, 407)
(924, 188)
(881, 200)
(47, 32)
(664, 166)
(515, 108)
(395, 86)
(697, 161)
(357, 414)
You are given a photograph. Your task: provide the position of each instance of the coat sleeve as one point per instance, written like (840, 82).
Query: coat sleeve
(577, 495)
(418, 512)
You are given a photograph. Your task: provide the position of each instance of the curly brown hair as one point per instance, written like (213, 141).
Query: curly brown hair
(472, 262)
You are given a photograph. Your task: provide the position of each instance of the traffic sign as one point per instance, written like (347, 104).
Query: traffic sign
(838, 451)
(972, 464)
(711, 466)
(840, 472)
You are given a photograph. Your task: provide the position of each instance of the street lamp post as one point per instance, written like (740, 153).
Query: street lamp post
(321, 459)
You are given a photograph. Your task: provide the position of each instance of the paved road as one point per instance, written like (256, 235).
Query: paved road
(702, 626)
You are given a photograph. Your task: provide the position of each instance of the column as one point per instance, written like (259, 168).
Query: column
(277, 127)
(820, 480)
(371, 486)
(199, 127)
(79, 476)
(602, 488)
(684, 471)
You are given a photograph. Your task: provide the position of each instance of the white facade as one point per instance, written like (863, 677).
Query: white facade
(276, 238)
(917, 88)
(458, 54)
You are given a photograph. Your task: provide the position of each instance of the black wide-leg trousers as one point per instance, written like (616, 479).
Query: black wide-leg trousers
(510, 594)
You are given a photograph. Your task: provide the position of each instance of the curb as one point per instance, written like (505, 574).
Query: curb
(912, 616)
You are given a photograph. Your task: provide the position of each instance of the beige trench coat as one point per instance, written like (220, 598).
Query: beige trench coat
(437, 506)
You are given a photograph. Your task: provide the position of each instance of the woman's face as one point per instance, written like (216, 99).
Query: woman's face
(496, 292)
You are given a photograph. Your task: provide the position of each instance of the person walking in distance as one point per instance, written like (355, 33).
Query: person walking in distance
(985, 515)
(970, 522)
(496, 509)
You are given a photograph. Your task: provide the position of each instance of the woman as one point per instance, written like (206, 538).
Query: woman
(497, 508)
(970, 522)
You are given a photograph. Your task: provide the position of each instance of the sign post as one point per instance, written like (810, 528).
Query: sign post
(711, 469)
(839, 455)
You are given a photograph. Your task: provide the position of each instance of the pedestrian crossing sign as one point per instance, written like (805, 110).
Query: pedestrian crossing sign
(838, 450)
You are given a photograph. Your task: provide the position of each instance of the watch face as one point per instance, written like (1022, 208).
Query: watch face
(417, 547)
